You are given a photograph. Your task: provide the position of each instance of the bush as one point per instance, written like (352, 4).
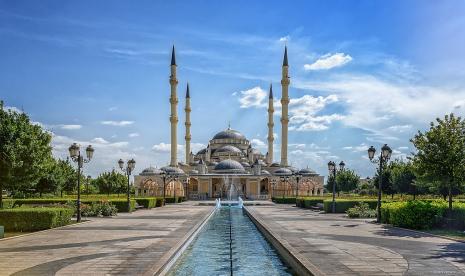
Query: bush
(285, 200)
(99, 209)
(39, 201)
(361, 210)
(147, 202)
(159, 202)
(342, 205)
(8, 203)
(174, 200)
(122, 205)
(34, 219)
(413, 214)
(308, 202)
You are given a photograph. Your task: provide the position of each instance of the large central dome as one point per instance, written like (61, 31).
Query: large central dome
(229, 134)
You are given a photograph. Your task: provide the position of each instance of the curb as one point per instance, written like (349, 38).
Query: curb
(301, 265)
(164, 264)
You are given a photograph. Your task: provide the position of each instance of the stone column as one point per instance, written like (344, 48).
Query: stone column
(270, 127)
(284, 114)
(187, 109)
(174, 112)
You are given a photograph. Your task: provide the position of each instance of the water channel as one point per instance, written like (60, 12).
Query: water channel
(229, 244)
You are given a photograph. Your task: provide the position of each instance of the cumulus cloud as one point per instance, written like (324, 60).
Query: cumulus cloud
(258, 143)
(117, 123)
(329, 61)
(132, 135)
(254, 97)
(162, 147)
(284, 38)
(70, 127)
(100, 140)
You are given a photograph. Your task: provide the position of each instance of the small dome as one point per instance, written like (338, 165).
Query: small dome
(229, 134)
(307, 171)
(228, 149)
(172, 170)
(229, 166)
(202, 151)
(275, 165)
(293, 169)
(283, 171)
(151, 171)
(265, 172)
(245, 164)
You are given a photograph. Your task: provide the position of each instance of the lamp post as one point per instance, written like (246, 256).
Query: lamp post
(167, 176)
(273, 187)
(297, 178)
(284, 179)
(383, 158)
(131, 164)
(75, 154)
(332, 170)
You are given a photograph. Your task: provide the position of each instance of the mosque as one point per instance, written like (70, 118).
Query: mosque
(229, 166)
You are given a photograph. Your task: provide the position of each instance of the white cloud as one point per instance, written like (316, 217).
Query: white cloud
(117, 123)
(12, 108)
(284, 38)
(400, 128)
(162, 147)
(113, 108)
(70, 127)
(135, 134)
(329, 61)
(100, 140)
(258, 143)
(254, 97)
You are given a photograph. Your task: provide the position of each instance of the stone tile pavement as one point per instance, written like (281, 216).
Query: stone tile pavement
(128, 244)
(337, 245)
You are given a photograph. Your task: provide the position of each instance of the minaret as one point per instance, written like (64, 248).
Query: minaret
(284, 113)
(270, 126)
(174, 112)
(187, 109)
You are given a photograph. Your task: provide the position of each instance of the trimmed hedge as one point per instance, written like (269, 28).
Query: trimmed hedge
(174, 200)
(8, 203)
(34, 219)
(342, 205)
(147, 202)
(285, 200)
(308, 202)
(416, 214)
(120, 204)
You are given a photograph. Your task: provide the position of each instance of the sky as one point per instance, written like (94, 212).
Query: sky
(362, 73)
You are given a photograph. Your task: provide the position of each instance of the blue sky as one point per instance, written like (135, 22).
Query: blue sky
(362, 73)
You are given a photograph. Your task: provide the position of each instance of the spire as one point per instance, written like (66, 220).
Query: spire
(271, 92)
(187, 91)
(285, 56)
(173, 57)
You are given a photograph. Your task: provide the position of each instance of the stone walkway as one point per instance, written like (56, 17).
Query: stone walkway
(337, 245)
(127, 244)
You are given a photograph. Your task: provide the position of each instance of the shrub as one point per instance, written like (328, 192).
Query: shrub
(361, 210)
(8, 203)
(285, 200)
(342, 205)
(147, 202)
(122, 205)
(99, 209)
(39, 201)
(413, 214)
(174, 200)
(159, 202)
(34, 219)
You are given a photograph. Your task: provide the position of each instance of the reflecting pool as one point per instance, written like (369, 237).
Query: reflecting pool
(229, 244)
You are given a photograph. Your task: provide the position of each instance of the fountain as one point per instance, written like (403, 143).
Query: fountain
(218, 203)
(241, 203)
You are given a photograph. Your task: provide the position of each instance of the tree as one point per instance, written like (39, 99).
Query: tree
(386, 187)
(402, 177)
(329, 184)
(347, 180)
(111, 182)
(25, 151)
(440, 156)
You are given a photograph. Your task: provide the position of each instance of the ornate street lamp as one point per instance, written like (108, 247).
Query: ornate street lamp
(75, 154)
(383, 158)
(297, 178)
(333, 171)
(131, 165)
(284, 179)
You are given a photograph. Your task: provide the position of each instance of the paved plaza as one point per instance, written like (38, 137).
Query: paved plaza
(336, 245)
(127, 244)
